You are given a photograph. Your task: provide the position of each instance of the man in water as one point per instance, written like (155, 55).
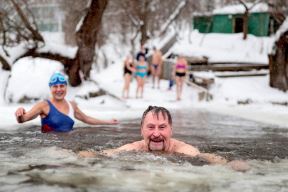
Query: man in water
(57, 114)
(156, 130)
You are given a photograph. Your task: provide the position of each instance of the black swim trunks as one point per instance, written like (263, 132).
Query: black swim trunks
(178, 74)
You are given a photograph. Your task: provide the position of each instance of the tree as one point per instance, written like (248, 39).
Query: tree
(151, 18)
(86, 38)
(278, 63)
(74, 11)
(246, 16)
(16, 29)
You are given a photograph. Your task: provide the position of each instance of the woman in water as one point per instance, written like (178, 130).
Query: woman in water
(57, 114)
(180, 70)
(141, 73)
(128, 70)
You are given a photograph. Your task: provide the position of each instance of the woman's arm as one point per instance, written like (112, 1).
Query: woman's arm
(91, 120)
(23, 116)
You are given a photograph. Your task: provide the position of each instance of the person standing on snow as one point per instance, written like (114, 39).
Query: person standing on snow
(156, 66)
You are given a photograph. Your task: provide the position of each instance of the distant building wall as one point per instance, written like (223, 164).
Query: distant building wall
(222, 24)
(202, 23)
(258, 23)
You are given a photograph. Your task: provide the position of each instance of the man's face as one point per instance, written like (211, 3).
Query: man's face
(58, 91)
(156, 132)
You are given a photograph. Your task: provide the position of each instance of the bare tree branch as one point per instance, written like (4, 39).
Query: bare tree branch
(36, 35)
(173, 17)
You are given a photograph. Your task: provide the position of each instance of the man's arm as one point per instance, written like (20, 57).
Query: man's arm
(236, 165)
(109, 152)
(23, 116)
(212, 158)
(186, 149)
(135, 146)
(90, 120)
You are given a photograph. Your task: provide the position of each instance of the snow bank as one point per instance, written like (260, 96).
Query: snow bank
(30, 77)
(14, 52)
(54, 43)
(225, 47)
(247, 89)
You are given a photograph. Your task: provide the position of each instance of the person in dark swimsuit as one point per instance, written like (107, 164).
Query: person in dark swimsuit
(57, 114)
(156, 66)
(128, 71)
(180, 69)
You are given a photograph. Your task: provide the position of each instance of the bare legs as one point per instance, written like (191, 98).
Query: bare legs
(156, 76)
(179, 87)
(127, 79)
(140, 87)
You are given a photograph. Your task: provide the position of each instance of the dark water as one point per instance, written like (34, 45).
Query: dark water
(30, 160)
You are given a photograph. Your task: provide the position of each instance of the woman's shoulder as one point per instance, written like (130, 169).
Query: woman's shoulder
(43, 103)
(73, 103)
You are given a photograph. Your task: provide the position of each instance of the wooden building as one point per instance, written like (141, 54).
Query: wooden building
(229, 19)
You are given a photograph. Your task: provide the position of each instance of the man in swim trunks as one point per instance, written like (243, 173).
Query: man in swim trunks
(156, 130)
(57, 114)
(156, 66)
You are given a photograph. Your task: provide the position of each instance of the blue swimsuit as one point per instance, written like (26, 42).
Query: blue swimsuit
(56, 120)
(140, 73)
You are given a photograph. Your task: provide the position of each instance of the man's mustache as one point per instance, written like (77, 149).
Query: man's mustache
(156, 139)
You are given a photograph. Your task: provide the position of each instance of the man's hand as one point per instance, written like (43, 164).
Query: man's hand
(113, 122)
(239, 165)
(19, 114)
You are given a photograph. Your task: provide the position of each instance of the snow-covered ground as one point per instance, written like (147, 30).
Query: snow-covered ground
(29, 77)
(224, 47)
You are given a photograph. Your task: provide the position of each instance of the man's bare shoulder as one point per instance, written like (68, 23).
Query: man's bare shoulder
(135, 146)
(182, 147)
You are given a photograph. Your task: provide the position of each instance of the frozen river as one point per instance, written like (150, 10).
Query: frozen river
(32, 161)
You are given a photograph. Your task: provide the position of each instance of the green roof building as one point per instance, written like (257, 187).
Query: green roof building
(230, 20)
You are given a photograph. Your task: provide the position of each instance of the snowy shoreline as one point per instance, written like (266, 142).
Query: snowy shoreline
(267, 113)
(227, 92)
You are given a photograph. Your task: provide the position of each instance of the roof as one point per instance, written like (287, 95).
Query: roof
(240, 9)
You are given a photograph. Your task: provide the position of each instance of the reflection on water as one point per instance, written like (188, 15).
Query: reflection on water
(32, 161)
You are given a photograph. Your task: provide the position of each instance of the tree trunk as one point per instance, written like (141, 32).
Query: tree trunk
(245, 24)
(278, 64)
(86, 39)
(144, 19)
(5, 64)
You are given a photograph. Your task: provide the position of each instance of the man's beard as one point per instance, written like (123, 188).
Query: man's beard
(156, 144)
